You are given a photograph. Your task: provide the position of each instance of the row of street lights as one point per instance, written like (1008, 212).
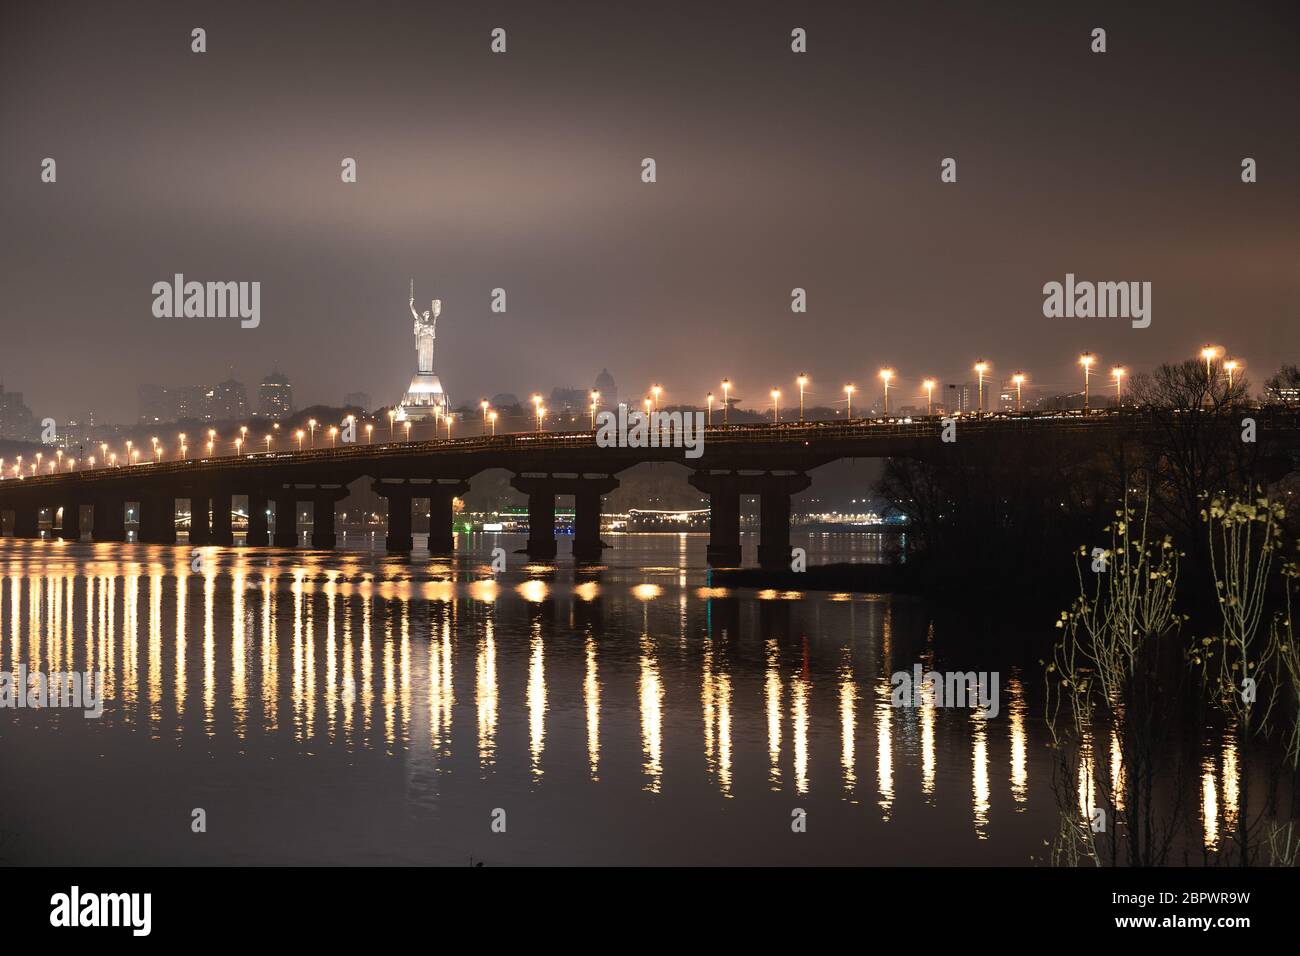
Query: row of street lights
(110, 459)
(981, 368)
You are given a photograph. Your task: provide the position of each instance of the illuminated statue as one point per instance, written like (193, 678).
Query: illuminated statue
(426, 330)
(424, 398)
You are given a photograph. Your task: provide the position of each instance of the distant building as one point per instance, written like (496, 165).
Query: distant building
(17, 422)
(154, 404)
(77, 431)
(568, 400)
(1283, 392)
(160, 403)
(275, 397)
(608, 390)
(959, 398)
(359, 400)
(226, 401)
(222, 402)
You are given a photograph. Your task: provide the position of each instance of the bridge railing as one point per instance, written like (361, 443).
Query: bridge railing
(741, 433)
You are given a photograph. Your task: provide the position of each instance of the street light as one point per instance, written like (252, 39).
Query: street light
(268, 443)
(492, 420)
(311, 429)
(407, 426)
(1118, 373)
(803, 382)
(449, 421)
(929, 396)
(885, 375)
(333, 436)
(1086, 360)
(776, 405)
(708, 400)
(370, 433)
(1209, 353)
(298, 435)
(655, 390)
(1230, 366)
(1019, 380)
(980, 368)
(848, 392)
(541, 413)
(726, 404)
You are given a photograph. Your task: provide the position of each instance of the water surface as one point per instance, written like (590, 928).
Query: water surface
(350, 707)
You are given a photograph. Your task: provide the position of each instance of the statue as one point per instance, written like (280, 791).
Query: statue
(424, 399)
(426, 330)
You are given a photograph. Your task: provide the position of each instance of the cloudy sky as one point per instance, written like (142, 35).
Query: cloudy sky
(522, 171)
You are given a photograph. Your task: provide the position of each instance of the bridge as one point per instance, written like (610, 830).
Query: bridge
(770, 460)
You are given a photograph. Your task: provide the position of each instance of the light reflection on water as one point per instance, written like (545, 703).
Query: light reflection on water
(352, 707)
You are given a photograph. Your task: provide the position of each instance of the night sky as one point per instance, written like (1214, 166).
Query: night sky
(522, 171)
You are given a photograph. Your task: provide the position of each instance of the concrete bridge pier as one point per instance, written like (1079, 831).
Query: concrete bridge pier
(724, 517)
(109, 522)
(71, 530)
(774, 516)
(586, 490)
(442, 536)
(724, 492)
(27, 521)
(200, 530)
(324, 500)
(222, 533)
(398, 495)
(541, 523)
(587, 545)
(259, 533)
(541, 515)
(158, 519)
(286, 520)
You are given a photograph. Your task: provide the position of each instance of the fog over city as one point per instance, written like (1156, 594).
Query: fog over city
(523, 172)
